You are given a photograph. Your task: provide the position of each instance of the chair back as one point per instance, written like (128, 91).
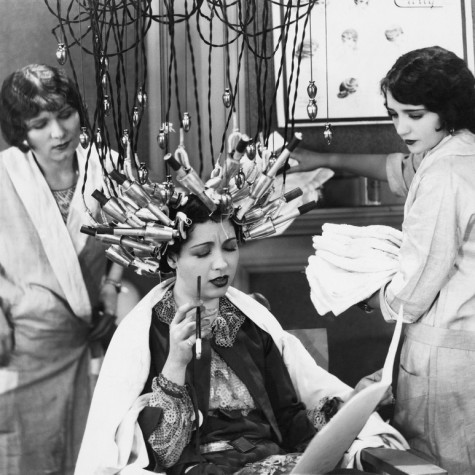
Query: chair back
(315, 342)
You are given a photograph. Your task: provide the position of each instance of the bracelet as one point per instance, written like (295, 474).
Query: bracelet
(117, 285)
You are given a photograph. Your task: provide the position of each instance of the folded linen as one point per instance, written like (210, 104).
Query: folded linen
(353, 246)
(350, 264)
(378, 231)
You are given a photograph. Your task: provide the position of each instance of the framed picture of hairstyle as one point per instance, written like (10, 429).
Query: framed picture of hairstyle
(347, 46)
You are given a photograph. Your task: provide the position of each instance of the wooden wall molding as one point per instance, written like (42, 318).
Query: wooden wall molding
(311, 223)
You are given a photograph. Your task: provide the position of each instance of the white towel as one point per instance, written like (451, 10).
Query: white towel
(375, 230)
(352, 246)
(350, 264)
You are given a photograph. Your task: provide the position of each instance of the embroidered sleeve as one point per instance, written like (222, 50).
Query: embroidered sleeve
(173, 432)
(323, 412)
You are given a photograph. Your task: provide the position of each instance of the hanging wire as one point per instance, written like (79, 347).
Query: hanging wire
(283, 38)
(116, 28)
(234, 94)
(326, 57)
(299, 62)
(186, 69)
(210, 56)
(81, 55)
(173, 63)
(288, 117)
(195, 87)
(311, 41)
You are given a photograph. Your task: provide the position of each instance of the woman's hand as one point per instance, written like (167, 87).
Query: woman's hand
(108, 298)
(104, 317)
(375, 377)
(182, 340)
(110, 290)
(6, 339)
(308, 160)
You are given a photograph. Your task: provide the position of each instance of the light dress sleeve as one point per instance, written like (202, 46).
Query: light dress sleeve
(400, 169)
(173, 432)
(431, 239)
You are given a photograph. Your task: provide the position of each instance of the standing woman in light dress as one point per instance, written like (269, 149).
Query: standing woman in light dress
(429, 94)
(52, 277)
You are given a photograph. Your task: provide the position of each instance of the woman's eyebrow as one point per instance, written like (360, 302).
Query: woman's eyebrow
(201, 244)
(414, 109)
(35, 120)
(210, 243)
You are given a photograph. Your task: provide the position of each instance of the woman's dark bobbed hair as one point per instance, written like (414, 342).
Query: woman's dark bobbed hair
(29, 91)
(197, 213)
(439, 80)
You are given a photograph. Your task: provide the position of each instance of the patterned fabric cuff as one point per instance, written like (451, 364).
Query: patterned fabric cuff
(325, 410)
(169, 387)
(330, 408)
(173, 432)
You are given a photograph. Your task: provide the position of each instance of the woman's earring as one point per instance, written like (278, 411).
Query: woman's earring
(452, 131)
(25, 146)
(171, 262)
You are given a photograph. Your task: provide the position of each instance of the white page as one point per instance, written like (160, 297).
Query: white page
(328, 446)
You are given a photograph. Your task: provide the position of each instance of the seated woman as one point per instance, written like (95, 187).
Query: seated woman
(253, 392)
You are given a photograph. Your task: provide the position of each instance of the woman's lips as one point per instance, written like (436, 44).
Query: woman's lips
(410, 142)
(62, 146)
(220, 281)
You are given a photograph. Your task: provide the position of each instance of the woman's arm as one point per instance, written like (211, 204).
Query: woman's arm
(432, 237)
(368, 165)
(170, 394)
(173, 432)
(111, 288)
(105, 314)
(6, 339)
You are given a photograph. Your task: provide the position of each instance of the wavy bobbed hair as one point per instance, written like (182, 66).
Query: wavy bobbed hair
(197, 213)
(29, 91)
(439, 80)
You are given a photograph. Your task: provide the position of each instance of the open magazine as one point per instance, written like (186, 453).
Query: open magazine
(329, 445)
